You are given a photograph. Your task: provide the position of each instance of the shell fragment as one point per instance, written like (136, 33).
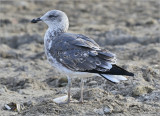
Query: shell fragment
(60, 99)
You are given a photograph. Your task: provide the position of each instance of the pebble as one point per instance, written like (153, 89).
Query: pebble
(107, 110)
(29, 103)
(3, 89)
(99, 111)
(91, 83)
(141, 89)
(60, 99)
(62, 82)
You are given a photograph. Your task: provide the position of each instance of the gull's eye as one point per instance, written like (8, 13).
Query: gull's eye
(50, 16)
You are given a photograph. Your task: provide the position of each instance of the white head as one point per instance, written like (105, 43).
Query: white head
(55, 19)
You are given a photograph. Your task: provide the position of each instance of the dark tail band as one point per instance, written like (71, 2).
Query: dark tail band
(115, 70)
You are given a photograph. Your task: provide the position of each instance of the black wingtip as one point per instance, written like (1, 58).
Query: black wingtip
(130, 74)
(116, 70)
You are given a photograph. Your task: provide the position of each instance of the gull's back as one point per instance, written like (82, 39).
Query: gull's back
(80, 53)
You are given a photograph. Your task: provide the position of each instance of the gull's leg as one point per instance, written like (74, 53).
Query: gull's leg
(69, 89)
(69, 92)
(81, 86)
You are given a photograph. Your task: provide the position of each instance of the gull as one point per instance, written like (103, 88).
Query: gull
(77, 55)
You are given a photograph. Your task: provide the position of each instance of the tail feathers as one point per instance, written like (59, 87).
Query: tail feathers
(119, 77)
(116, 70)
(114, 78)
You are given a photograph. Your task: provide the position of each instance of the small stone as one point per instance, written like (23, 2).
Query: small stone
(60, 99)
(18, 107)
(62, 82)
(130, 22)
(21, 91)
(4, 22)
(150, 22)
(140, 90)
(91, 83)
(107, 110)
(99, 111)
(7, 107)
(8, 64)
(3, 89)
(29, 103)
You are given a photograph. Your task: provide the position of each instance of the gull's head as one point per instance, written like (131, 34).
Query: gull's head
(55, 19)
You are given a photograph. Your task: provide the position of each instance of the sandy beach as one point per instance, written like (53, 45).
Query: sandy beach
(128, 28)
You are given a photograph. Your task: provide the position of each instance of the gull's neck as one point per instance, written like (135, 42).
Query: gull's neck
(55, 31)
(50, 35)
(58, 28)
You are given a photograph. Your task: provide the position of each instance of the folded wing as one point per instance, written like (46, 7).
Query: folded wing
(80, 53)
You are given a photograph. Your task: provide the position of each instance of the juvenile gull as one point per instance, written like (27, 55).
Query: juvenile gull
(76, 55)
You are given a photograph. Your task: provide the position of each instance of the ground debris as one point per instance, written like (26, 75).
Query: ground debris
(14, 107)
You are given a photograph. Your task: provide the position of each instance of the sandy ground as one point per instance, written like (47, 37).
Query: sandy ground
(129, 28)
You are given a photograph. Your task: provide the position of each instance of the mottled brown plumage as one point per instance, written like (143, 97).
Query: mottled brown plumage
(79, 53)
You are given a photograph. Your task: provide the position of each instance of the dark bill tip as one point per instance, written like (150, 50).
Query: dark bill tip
(35, 20)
